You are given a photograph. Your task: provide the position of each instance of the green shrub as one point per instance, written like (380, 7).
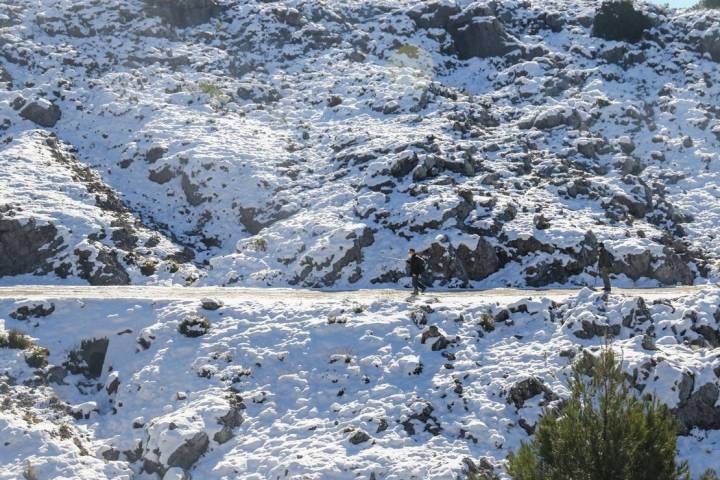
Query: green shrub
(618, 20)
(36, 357)
(708, 4)
(16, 340)
(602, 432)
(194, 326)
(213, 91)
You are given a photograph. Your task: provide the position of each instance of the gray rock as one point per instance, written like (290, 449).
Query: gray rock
(184, 13)
(231, 420)
(710, 44)
(552, 118)
(482, 470)
(26, 246)
(88, 358)
(105, 270)
(36, 311)
(111, 454)
(211, 303)
(163, 175)
(446, 262)
(433, 14)
(424, 417)
(593, 329)
(699, 410)
(441, 341)
(359, 437)
(42, 112)
(540, 222)
(337, 265)
(673, 270)
(189, 452)
(482, 37)
(528, 388)
(191, 191)
(5, 76)
(257, 93)
(155, 153)
(555, 21)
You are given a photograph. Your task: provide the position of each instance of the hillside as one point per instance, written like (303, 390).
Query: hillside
(219, 142)
(329, 388)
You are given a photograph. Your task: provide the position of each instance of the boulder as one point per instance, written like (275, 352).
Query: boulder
(528, 388)
(42, 112)
(231, 420)
(36, 310)
(482, 37)
(710, 44)
(5, 76)
(26, 246)
(552, 117)
(179, 438)
(359, 437)
(211, 303)
(434, 14)
(620, 21)
(446, 262)
(88, 358)
(482, 470)
(423, 415)
(331, 269)
(184, 13)
(439, 340)
(155, 153)
(103, 269)
(698, 409)
(591, 329)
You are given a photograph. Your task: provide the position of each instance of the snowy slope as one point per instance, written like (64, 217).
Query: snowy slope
(311, 143)
(332, 389)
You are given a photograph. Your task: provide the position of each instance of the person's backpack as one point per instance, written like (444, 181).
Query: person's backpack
(421, 264)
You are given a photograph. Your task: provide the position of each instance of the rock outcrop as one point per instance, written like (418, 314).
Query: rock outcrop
(27, 245)
(42, 112)
(184, 13)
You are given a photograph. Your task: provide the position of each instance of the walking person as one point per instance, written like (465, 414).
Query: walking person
(604, 261)
(416, 266)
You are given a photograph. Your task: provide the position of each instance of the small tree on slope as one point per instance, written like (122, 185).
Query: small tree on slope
(603, 432)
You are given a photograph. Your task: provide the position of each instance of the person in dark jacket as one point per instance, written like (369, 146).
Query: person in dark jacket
(416, 266)
(604, 261)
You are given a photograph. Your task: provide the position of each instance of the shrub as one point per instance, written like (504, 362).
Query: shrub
(36, 357)
(618, 20)
(602, 432)
(213, 91)
(16, 340)
(194, 326)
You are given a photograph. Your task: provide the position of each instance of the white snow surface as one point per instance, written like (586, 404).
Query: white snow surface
(309, 373)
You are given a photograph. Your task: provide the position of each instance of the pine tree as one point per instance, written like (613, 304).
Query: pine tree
(602, 432)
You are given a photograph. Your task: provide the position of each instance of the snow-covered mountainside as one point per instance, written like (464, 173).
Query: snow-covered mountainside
(329, 389)
(312, 142)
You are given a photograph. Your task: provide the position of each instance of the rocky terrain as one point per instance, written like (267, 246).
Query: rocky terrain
(310, 143)
(329, 389)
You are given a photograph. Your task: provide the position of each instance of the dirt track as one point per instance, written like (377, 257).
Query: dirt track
(289, 294)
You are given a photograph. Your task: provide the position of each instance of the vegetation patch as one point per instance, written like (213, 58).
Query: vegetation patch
(194, 326)
(632, 438)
